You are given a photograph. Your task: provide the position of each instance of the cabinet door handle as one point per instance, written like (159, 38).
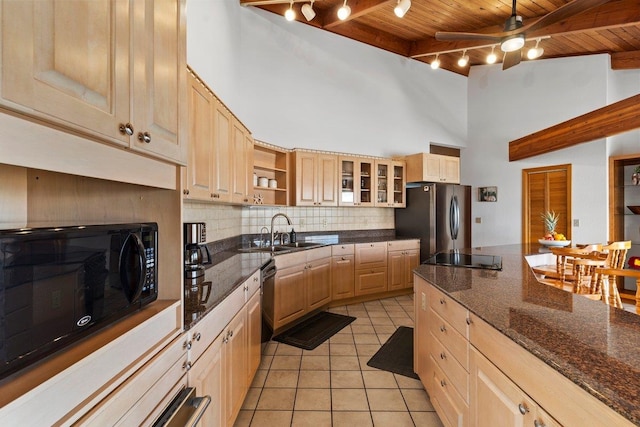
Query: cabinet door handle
(344, 258)
(443, 328)
(468, 320)
(255, 279)
(523, 408)
(231, 333)
(144, 137)
(443, 383)
(442, 301)
(537, 423)
(186, 366)
(126, 129)
(443, 356)
(185, 192)
(187, 345)
(198, 336)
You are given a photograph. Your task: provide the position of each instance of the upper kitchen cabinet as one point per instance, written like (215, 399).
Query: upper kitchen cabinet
(316, 175)
(270, 166)
(242, 163)
(356, 181)
(426, 167)
(109, 70)
(390, 183)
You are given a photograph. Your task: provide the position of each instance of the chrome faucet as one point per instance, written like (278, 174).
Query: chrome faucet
(272, 233)
(262, 242)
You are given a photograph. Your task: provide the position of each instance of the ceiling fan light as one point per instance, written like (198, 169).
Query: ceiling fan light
(512, 43)
(402, 8)
(308, 12)
(435, 64)
(492, 57)
(290, 14)
(344, 11)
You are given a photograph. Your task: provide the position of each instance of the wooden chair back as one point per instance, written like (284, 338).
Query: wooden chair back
(586, 279)
(616, 253)
(608, 279)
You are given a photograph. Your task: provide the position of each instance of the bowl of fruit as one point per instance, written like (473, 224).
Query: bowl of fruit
(551, 238)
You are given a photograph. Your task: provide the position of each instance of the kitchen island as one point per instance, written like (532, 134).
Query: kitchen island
(594, 346)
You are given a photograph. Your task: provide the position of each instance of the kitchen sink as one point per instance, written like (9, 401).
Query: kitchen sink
(299, 245)
(266, 249)
(288, 247)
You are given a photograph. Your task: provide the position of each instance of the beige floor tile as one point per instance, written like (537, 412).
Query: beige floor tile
(288, 350)
(311, 419)
(276, 399)
(379, 379)
(314, 379)
(243, 419)
(385, 399)
(417, 400)
(270, 348)
(382, 321)
(361, 321)
(282, 379)
(366, 339)
(381, 312)
(313, 399)
(286, 362)
(384, 337)
(395, 315)
(259, 378)
(346, 379)
(345, 363)
(406, 382)
(338, 310)
(321, 350)
(385, 329)
(349, 399)
(367, 349)
(271, 418)
(342, 349)
(426, 419)
(363, 329)
(352, 419)
(374, 303)
(341, 339)
(395, 419)
(251, 401)
(265, 362)
(363, 364)
(357, 312)
(315, 363)
(403, 322)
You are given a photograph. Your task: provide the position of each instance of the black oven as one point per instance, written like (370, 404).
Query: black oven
(59, 284)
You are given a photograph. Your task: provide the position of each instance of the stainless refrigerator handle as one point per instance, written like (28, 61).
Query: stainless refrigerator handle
(454, 217)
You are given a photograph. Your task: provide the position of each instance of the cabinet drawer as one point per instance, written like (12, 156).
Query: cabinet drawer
(403, 245)
(204, 332)
(451, 367)
(371, 255)
(342, 250)
(371, 281)
(252, 284)
(455, 314)
(317, 253)
(451, 339)
(453, 411)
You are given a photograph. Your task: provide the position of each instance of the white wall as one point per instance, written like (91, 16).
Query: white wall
(296, 86)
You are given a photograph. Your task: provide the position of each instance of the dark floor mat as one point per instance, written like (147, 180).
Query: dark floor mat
(315, 330)
(396, 355)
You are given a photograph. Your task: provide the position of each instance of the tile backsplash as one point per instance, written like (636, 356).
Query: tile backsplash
(228, 221)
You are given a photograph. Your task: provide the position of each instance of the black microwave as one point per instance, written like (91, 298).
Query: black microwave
(59, 284)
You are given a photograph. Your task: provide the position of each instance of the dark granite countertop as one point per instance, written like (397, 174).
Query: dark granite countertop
(594, 345)
(230, 268)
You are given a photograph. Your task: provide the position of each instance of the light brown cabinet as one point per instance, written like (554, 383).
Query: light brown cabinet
(316, 175)
(370, 268)
(403, 257)
(289, 296)
(426, 167)
(220, 160)
(272, 163)
(342, 272)
(207, 376)
(235, 364)
(389, 183)
(111, 70)
(356, 181)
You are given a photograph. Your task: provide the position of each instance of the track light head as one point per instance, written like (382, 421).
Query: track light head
(308, 12)
(344, 11)
(464, 59)
(402, 7)
(435, 64)
(535, 52)
(290, 14)
(492, 57)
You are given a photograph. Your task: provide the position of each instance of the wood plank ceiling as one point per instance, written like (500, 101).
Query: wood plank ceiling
(613, 27)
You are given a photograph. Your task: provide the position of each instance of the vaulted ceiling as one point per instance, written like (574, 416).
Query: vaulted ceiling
(612, 27)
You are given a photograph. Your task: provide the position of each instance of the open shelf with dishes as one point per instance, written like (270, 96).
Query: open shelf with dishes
(270, 175)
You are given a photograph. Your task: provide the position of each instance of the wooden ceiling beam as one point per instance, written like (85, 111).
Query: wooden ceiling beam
(625, 60)
(614, 14)
(371, 36)
(358, 8)
(613, 119)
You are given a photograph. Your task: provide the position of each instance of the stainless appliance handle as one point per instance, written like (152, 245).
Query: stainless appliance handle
(197, 402)
(133, 293)
(185, 410)
(454, 217)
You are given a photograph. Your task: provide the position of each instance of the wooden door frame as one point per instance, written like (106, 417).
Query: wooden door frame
(526, 214)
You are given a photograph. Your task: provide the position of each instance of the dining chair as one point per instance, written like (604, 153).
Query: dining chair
(609, 278)
(587, 277)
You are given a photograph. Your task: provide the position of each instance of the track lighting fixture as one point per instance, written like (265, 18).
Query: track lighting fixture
(290, 14)
(307, 11)
(492, 58)
(402, 7)
(535, 52)
(344, 11)
(512, 43)
(464, 59)
(435, 64)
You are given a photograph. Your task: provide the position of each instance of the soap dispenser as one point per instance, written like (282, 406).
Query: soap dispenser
(292, 236)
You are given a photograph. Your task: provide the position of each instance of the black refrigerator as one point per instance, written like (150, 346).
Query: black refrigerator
(438, 214)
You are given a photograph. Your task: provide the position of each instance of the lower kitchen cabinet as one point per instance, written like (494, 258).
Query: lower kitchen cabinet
(207, 376)
(370, 268)
(403, 257)
(318, 283)
(235, 364)
(289, 296)
(342, 272)
(254, 335)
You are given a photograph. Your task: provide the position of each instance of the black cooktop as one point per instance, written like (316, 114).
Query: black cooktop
(456, 259)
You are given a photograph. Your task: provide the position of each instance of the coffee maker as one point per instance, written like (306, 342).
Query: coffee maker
(197, 291)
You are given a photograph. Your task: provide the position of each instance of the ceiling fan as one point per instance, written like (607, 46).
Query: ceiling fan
(513, 36)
